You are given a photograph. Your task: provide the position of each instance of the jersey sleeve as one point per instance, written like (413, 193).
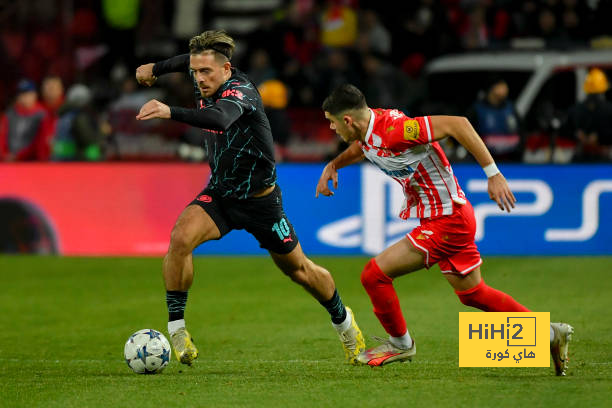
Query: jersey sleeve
(406, 132)
(219, 116)
(179, 63)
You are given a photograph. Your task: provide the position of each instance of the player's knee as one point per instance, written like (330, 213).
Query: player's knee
(472, 297)
(370, 276)
(180, 242)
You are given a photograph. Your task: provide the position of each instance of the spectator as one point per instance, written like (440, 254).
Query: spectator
(260, 69)
(373, 36)
(52, 93)
(338, 25)
(337, 67)
(384, 84)
(474, 32)
(590, 122)
(274, 95)
(497, 122)
(24, 129)
(79, 135)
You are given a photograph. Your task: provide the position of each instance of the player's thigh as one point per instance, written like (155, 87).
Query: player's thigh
(464, 282)
(265, 219)
(400, 258)
(290, 262)
(193, 227)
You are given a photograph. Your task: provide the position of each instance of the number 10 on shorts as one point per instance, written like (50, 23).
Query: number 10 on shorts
(504, 339)
(282, 229)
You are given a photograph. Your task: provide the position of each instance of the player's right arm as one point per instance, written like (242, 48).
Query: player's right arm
(147, 74)
(353, 154)
(462, 130)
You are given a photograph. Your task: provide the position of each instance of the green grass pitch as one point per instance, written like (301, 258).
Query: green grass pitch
(264, 342)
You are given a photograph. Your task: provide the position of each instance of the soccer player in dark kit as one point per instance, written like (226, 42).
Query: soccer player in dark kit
(242, 192)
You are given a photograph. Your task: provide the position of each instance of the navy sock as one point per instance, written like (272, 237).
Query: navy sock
(335, 308)
(176, 301)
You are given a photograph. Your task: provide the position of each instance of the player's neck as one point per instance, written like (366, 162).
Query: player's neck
(362, 123)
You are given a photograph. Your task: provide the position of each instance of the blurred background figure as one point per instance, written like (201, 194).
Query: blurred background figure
(496, 121)
(25, 130)
(310, 46)
(52, 98)
(385, 85)
(274, 95)
(590, 122)
(79, 135)
(339, 24)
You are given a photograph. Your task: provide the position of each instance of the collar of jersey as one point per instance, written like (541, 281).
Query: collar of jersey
(370, 127)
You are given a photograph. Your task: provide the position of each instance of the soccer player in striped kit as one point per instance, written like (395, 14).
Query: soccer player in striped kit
(407, 150)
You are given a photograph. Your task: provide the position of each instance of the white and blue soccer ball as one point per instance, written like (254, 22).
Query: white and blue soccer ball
(147, 352)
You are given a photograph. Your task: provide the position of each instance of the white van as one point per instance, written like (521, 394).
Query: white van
(543, 86)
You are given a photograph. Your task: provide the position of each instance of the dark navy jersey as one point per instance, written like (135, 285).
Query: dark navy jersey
(237, 135)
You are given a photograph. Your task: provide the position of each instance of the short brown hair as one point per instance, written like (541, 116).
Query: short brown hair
(343, 98)
(213, 40)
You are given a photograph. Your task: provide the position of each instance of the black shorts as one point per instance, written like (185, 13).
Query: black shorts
(263, 217)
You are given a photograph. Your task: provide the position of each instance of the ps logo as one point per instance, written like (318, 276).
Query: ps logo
(377, 225)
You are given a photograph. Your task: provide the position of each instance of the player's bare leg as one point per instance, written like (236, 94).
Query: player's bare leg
(320, 284)
(192, 227)
(399, 259)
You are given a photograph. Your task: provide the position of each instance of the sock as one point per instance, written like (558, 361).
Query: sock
(335, 308)
(384, 299)
(344, 326)
(552, 334)
(176, 300)
(404, 342)
(174, 325)
(486, 298)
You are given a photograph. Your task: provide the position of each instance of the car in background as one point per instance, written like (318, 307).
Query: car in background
(543, 86)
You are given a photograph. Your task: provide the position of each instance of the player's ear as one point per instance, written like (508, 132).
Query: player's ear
(348, 120)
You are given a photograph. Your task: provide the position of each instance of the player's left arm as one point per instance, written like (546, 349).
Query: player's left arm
(462, 130)
(220, 116)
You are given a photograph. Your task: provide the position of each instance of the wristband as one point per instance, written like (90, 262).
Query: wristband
(491, 170)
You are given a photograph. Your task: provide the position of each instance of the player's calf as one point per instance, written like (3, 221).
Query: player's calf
(384, 299)
(488, 299)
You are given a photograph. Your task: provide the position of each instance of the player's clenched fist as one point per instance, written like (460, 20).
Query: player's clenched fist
(144, 75)
(154, 109)
(329, 173)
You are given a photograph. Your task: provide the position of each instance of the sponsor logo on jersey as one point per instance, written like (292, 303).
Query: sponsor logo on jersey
(205, 198)
(232, 92)
(400, 173)
(411, 129)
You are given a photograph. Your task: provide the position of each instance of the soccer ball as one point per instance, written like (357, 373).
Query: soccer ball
(147, 352)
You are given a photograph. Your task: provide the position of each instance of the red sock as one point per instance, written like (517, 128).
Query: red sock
(386, 304)
(486, 298)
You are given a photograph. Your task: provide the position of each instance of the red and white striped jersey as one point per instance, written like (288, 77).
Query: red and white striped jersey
(404, 148)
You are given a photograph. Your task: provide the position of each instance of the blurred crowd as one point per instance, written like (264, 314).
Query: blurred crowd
(68, 92)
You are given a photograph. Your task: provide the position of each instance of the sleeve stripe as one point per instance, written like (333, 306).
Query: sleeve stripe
(429, 135)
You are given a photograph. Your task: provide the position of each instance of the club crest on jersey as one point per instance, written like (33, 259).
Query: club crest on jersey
(411, 130)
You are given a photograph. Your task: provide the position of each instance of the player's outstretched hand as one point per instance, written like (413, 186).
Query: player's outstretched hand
(500, 192)
(144, 75)
(154, 109)
(329, 173)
